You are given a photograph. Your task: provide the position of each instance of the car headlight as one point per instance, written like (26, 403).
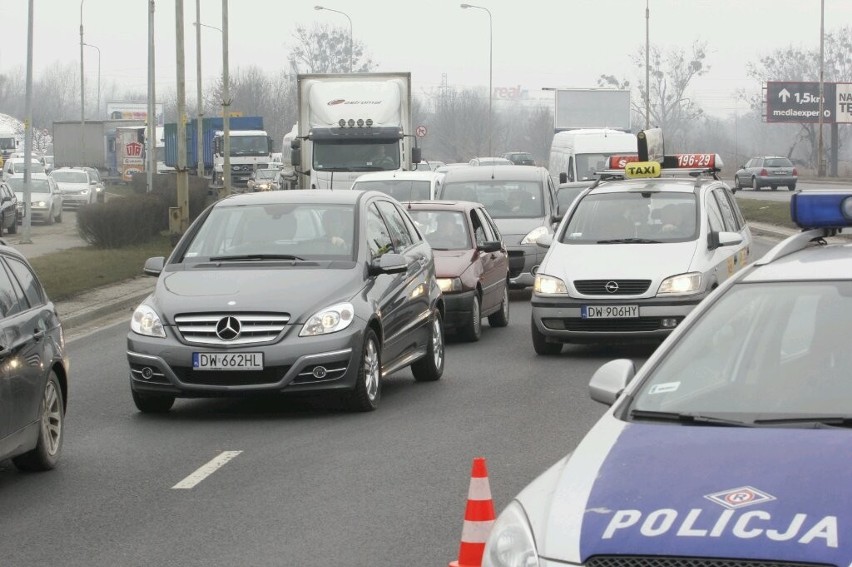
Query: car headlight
(145, 321)
(329, 320)
(39, 204)
(448, 285)
(681, 284)
(84, 191)
(534, 234)
(511, 542)
(549, 284)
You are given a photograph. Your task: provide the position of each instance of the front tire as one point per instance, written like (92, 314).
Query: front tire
(540, 343)
(737, 184)
(501, 317)
(152, 403)
(789, 188)
(46, 453)
(368, 383)
(431, 367)
(472, 332)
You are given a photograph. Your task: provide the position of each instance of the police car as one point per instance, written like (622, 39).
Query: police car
(731, 445)
(633, 256)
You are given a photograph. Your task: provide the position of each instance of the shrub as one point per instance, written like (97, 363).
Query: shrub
(165, 185)
(123, 221)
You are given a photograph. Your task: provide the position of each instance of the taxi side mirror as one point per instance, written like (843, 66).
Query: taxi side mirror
(718, 239)
(610, 380)
(153, 266)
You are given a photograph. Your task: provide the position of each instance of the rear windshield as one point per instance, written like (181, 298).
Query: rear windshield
(628, 218)
(399, 189)
(36, 185)
(502, 199)
(777, 162)
(444, 230)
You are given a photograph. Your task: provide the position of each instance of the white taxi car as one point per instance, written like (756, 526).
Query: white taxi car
(632, 257)
(730, 446)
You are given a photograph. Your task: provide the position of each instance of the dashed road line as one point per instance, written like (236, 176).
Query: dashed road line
(206, 470)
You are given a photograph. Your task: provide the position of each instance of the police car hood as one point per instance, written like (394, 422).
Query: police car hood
(613, 261)
(697, 491)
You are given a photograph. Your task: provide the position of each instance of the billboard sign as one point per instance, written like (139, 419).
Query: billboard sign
(592, 108)
(133, 111)
(798, 102)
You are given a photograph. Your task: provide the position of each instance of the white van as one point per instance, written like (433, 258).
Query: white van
(402, 185)
(575, 155)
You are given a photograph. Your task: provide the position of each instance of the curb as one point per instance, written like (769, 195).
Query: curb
(81, 317)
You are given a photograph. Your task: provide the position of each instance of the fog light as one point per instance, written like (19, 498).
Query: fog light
(669, 323)
(319, 372)
(147, 373)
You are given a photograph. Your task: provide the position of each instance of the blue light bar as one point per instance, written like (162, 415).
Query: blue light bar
(821, 209)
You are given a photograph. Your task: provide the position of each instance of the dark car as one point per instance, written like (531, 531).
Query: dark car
(522, 202)
(519, 158)
(471, 263)
(285, 292)
(33, 368)
(769, 171)
(8, 209)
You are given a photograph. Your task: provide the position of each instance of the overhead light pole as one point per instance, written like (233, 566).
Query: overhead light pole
(28, 134)
(820, 149)
(199, 111)
(350, 30)
(98, 111)
(151, 119)
(490, 70)
(647, 66)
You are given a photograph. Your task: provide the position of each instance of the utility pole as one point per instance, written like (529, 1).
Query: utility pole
(226, 104)
(28, 133)
(820, 149)
(647, 66)
(82, 93)
(182, 174)
(199, 112)
(151, 149)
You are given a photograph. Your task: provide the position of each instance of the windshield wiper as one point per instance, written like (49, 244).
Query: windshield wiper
(833, 420)
(629, 241)
(686, 418)
(255, 257)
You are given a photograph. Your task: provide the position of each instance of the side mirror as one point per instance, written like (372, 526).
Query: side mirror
(153, 266)
(416, 157)
(545, 240)
(609, 380)
(490, 246)
(296, 153)
(389, 263)
(718, 239)
(563, 177)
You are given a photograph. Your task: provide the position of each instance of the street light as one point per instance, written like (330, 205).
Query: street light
(98, 112)
(490, 67)
(82, 93)
(350, 29)
(206, 26)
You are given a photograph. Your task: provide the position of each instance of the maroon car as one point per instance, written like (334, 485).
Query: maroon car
(471, 263)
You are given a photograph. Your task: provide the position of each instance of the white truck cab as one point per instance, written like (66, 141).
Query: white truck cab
(575, 155)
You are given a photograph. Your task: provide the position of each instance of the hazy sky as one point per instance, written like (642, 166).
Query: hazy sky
(536, 43)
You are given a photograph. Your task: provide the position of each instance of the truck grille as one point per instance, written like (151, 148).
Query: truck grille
(662, 561)
(231, 329)
(624, 287)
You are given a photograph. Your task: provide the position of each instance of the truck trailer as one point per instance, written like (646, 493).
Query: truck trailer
(349, 124)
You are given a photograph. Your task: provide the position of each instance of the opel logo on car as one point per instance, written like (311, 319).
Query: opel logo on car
(228, 328)
(611, 287)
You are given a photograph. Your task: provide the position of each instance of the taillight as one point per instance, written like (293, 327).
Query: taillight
(795, 171)
(763, 173)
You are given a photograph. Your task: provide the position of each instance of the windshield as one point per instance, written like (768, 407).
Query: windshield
(657, 216)
(249, 145)
(356, 156)
(589, 164)
(502, 199)
(265, 174)
(35, 167)
(70, 176)
(7, 144)
(36, 185)
(444, 230)
(763, 350)
(399, 189)
(307, 231)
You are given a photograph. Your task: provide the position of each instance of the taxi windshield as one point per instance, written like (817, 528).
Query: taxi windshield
(632, 216)
(763, 351)
(305, 231)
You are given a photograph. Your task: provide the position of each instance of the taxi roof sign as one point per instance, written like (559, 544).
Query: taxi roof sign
(642, 169)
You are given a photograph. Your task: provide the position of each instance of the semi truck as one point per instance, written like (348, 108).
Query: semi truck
(250, 146)
(8, 143)
(349, 124)
(91, 143)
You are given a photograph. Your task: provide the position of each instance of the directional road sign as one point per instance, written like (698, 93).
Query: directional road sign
(795, 101)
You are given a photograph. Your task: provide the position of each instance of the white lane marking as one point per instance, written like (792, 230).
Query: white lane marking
(206, 470)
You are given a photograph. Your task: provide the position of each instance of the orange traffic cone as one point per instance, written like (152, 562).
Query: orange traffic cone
(478, 517)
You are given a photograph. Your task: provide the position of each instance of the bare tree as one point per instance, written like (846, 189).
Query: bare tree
(326, 49)
(671, 74)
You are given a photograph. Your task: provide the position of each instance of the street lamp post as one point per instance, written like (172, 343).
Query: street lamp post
(350, 30)
(820, 161)
(647, 66)
(98, 111)
(82, 92)
(490, 70)
(199, 111)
